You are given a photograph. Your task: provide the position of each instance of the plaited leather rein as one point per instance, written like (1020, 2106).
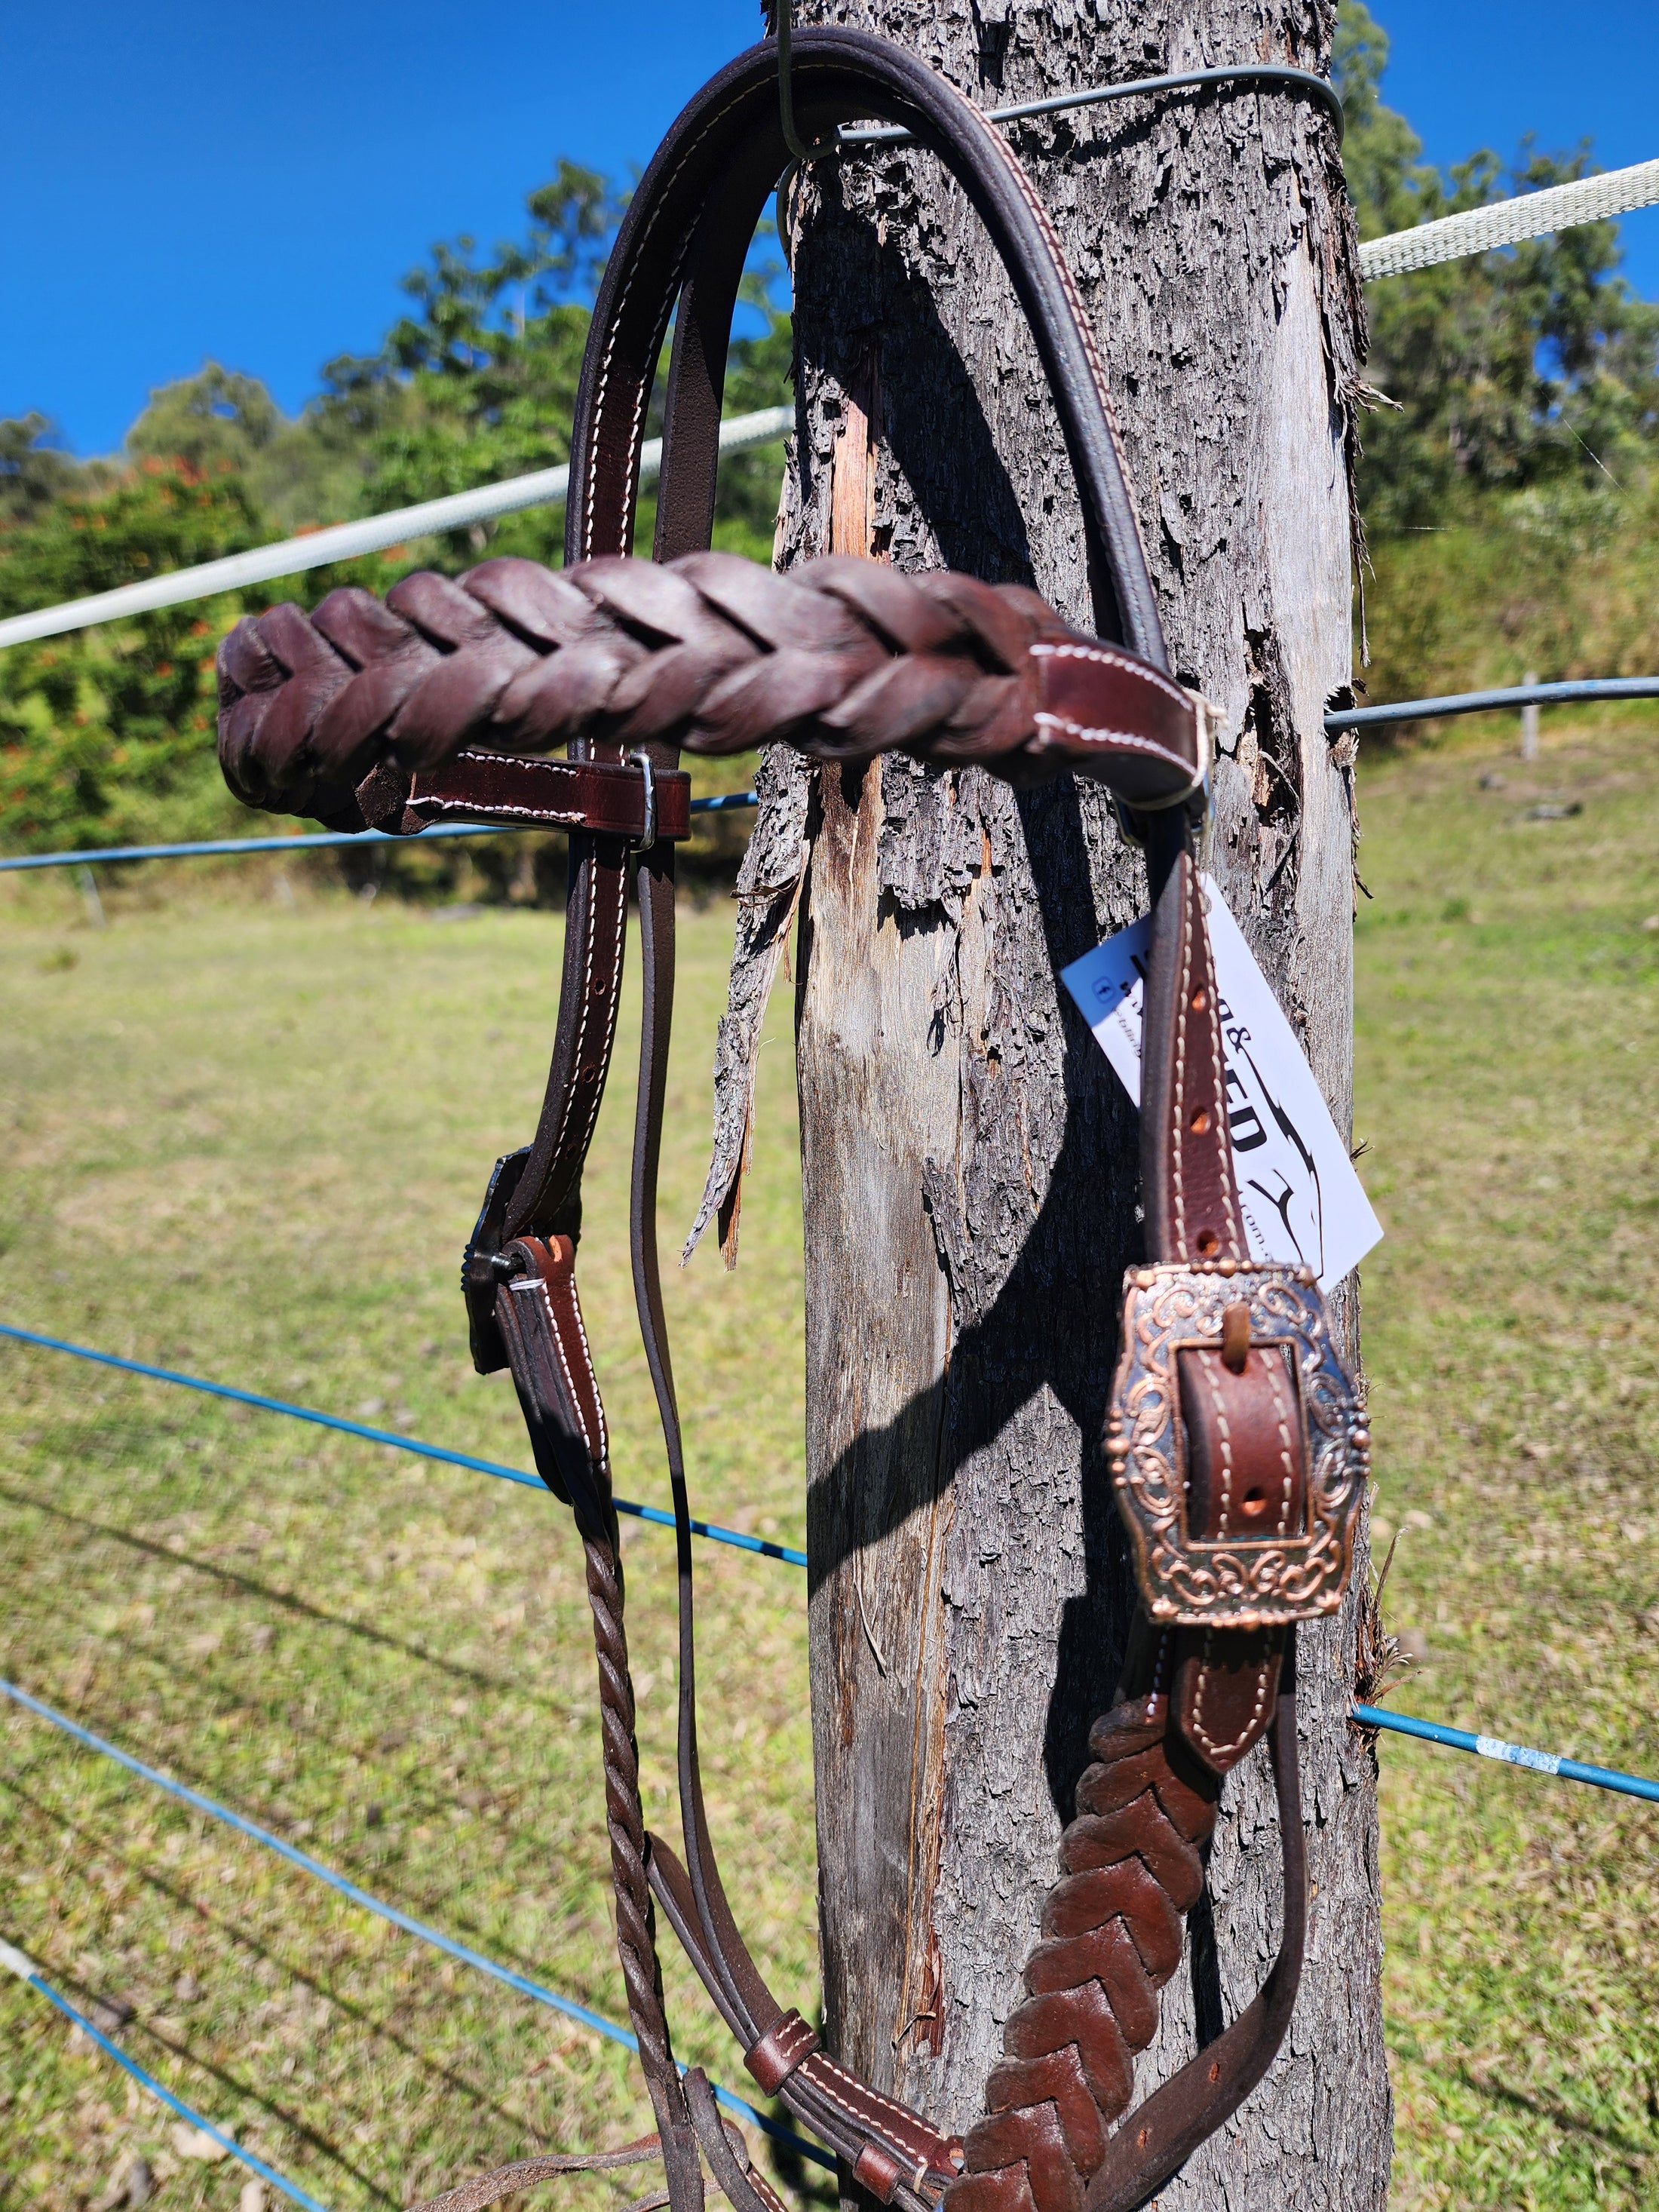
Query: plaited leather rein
(1235, 1440)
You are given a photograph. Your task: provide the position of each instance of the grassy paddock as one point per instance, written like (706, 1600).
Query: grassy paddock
(1508, 1030)
(247, 1140)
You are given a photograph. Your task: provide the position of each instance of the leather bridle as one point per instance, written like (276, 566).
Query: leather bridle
(1235, 1440)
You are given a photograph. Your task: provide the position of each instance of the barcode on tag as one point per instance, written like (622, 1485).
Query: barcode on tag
(1301, 1199)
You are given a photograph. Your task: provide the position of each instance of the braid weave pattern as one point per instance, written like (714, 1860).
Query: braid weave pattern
(845, 658)
(1112, 1928)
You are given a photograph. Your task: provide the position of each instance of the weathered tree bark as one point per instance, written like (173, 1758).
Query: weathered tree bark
(969, 1162)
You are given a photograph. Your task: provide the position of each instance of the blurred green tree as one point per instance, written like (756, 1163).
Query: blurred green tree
(106, 735)
(1531, 365)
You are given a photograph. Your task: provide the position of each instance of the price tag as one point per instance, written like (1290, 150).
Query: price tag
(1301, 1199)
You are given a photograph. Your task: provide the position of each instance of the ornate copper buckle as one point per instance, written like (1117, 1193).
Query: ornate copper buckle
(1234, 1583)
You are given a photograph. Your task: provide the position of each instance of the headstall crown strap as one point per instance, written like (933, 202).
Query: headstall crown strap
(1235, 1441)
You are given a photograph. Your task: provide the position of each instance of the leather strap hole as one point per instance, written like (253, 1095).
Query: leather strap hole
(1208, 1243)
(1201, 1121)
(1254, 1503)
(1215, 2071)
(1198, 1001)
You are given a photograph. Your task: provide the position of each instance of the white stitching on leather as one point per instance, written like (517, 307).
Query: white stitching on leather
(1084, 735)
(1223, 1134)
(1143, 670)
(564, 1364)
(501, 810)
(587, 1359)
(1160, 1674)
(644, 393)
(1180, 1058)
(1276, 1381)
(1207, 1372)
(612, 1004)
(574, 816)
(1264, 1673)
(858, 2101)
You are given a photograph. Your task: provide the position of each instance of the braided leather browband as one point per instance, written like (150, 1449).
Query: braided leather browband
(1235, 1441)
(844, 659)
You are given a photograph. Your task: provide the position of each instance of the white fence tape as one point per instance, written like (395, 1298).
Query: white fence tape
(1506, 222)
(344, 541)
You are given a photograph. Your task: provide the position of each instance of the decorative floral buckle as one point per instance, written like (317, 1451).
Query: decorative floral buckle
(1235, 1581)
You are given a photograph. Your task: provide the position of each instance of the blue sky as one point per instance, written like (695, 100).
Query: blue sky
(180, 180)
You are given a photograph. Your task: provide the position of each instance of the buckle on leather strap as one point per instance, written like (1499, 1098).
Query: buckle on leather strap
(1236, 1445)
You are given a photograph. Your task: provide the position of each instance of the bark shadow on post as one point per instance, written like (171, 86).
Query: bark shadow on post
(1004, 1361)
(936, 390)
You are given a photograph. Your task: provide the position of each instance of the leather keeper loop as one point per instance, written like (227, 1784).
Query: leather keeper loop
(780, 2051)
(874, 2170)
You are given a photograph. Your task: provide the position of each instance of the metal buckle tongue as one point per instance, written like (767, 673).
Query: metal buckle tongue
(1236, 1445)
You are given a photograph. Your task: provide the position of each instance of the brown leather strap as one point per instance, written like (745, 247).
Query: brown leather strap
(1132, 1867)
(538, 1317)
(510, 2180)
(855, 2120)
(696, 208)
(474, 786)
(1186, 1155)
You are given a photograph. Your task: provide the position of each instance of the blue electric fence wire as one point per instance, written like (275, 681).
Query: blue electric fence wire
(315, 840)
(410, 1925)
(1511, 1755)
(1545, 1762)
(1481, 702)
(17, 1961)
(1348, 718)
(1509, 697)
(654, 1514)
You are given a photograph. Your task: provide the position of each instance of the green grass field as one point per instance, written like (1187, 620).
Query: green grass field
(247, 1137)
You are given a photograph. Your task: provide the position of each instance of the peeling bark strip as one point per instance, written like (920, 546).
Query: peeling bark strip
(770, 880)
(769, 893)
(969, 1162)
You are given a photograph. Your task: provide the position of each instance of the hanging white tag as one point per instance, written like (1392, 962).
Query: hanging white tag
(1301, 1199)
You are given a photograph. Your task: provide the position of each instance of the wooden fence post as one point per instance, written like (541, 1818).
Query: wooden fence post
(969, 1160)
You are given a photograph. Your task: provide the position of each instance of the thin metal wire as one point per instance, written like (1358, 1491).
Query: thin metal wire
(26, 1971)
(1371, 1716)
(659, 1519)
(1513, 695)
(316, 841)
(792, 137)
(1279, 75)
(1511, 1754)
(410, 1926)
